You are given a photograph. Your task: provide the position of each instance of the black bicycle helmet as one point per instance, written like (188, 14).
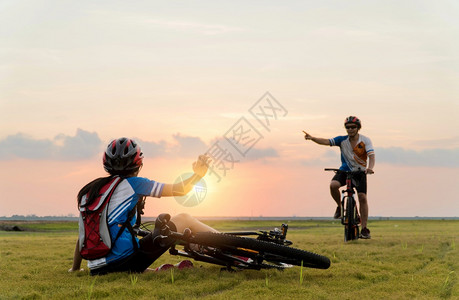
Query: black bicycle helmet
(122, 157)
(353, 120)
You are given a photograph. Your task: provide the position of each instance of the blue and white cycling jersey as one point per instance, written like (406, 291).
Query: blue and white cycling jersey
(123, 200)
(353, 158)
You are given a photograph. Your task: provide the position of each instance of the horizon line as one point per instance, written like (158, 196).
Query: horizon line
(248, 218)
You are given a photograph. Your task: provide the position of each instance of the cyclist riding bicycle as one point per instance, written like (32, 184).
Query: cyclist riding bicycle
(123, 157)
(356, 149)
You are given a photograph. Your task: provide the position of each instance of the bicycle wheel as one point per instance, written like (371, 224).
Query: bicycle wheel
(260, 250)
(351, 229)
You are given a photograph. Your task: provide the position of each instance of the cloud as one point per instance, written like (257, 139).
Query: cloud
(182, 146)
(329, 159)
(452, 142)
(399, 156)
(152, 149)
(187, 145)
(255, 153)
(83, 145)
(427, 158)
(191, 146)
(87, 144)
(23, 146)
(221, 149)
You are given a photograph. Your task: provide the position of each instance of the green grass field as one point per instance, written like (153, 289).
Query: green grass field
(403, 260)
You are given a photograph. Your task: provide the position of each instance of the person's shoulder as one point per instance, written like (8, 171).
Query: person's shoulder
(337, 140)
(138, 180)
(365, 138)
(368, 144)
(341, 138)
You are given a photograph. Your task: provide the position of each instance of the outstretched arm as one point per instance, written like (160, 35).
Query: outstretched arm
(182, 188)
(320, 141)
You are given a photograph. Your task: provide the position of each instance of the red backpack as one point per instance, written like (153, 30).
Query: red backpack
(95, 239)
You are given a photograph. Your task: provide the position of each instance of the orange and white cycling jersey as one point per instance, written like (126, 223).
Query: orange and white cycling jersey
(353, 158)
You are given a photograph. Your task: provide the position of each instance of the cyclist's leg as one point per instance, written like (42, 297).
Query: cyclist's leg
(363, 207)
(337, 181)
(363, 201)
(183, 221)
(334, 191)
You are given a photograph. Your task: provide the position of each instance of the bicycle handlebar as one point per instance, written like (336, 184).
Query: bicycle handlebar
(168, 237)
(342, 171)
(331, 169)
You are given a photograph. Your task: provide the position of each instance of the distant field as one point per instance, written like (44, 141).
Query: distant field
(404, 260)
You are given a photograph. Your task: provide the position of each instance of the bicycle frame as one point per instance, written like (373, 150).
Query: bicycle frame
(217, 257)
(214, 255)
(350, 216)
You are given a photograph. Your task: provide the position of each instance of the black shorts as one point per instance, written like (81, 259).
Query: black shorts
(140, 260)
(359, 181)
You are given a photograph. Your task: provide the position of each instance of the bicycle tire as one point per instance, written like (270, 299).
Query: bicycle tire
(269, 251)
(351, 228)
(356, 223)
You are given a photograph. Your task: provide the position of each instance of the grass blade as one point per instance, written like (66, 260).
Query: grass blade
(91, 289)
(301, 273)
(134, 279)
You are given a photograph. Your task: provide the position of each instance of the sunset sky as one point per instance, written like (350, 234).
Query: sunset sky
(180, 76)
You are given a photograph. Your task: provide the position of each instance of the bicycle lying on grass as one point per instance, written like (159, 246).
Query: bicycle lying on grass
(350, 219)
(269, 250)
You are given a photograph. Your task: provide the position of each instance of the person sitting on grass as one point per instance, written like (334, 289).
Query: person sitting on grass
(123, 157)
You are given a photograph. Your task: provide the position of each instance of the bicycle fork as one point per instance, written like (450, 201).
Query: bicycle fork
(350, 217)
(350, 196)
